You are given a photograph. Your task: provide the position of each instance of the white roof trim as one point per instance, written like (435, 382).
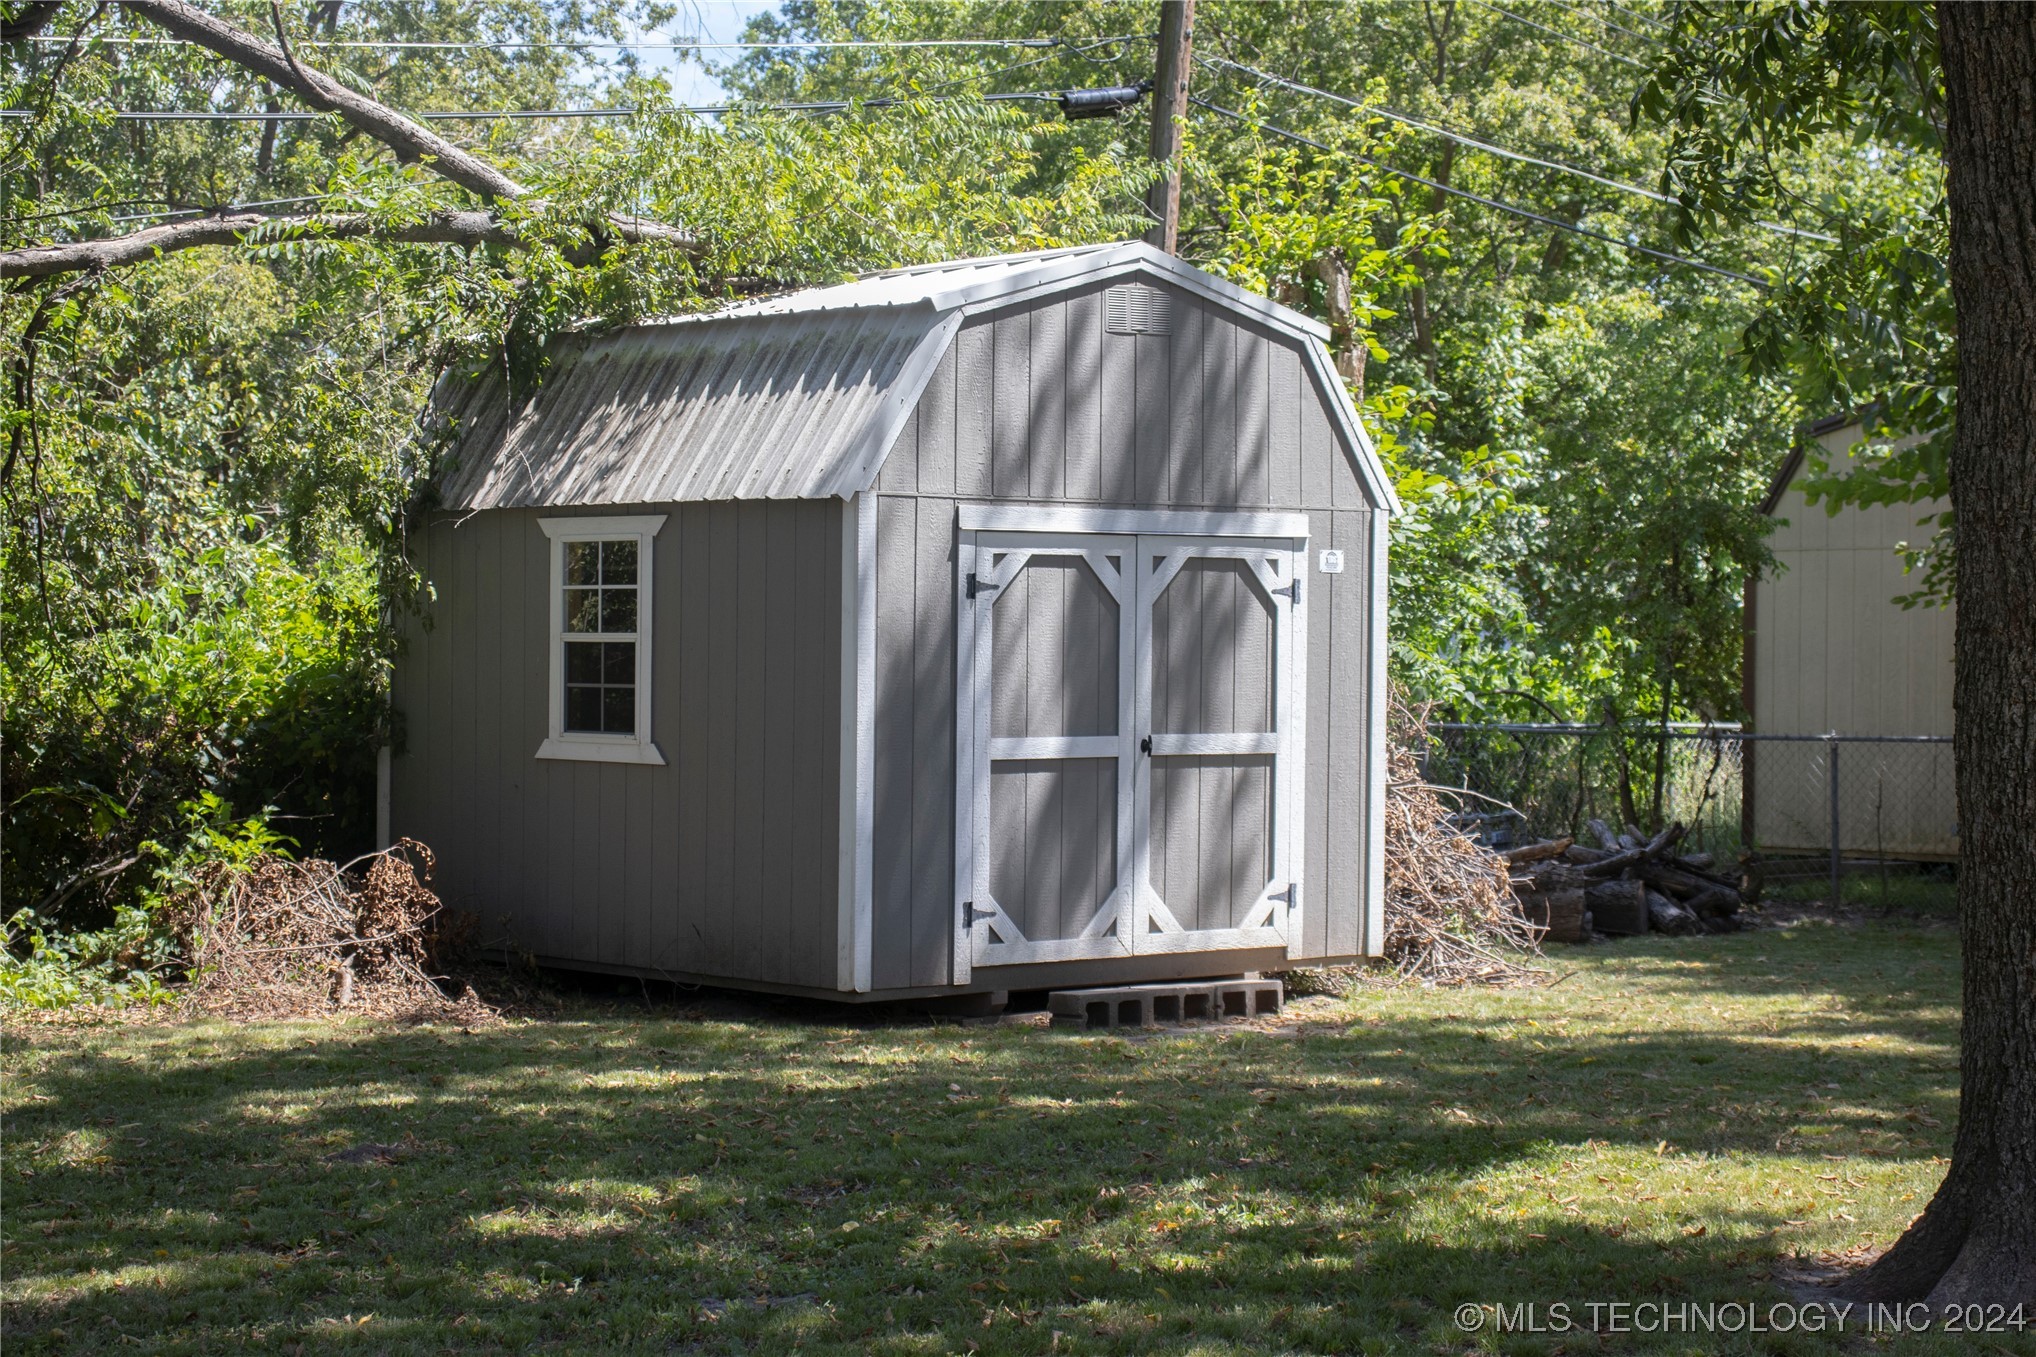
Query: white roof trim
(866, 456)
(1370, 469)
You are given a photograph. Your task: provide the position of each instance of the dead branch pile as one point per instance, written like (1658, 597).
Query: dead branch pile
(1630, 884)
(278, 938)
(1450, 918)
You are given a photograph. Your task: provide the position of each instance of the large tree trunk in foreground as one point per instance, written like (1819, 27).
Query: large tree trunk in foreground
(1977, 1240)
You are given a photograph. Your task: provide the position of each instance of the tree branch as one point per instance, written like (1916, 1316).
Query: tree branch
(439, 228)
(28, 20)
(408, 139)
(449, 227)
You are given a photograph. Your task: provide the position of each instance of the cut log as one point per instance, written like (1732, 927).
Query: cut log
(1603, 833)
(1674, 881)
(1562, 913)
(1666, 916)
(1618, 907)
(1577, 852)
(1536, 852)
(1716, 903)
(1551, 876)
(1653, 848)
(1695, 862)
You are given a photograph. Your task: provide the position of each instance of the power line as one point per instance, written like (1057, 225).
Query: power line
(1566, 37)
(1637, 14)
(1601, 19)
(542, 44)
(495, 114)
(1477, 144)
(1479, 198)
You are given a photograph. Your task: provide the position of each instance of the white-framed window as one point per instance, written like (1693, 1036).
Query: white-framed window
(600, 638)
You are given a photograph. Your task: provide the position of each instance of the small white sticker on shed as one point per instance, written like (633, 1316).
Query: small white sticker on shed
(1330, 563)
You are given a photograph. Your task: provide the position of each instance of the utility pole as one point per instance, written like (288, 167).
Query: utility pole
(1169, 107)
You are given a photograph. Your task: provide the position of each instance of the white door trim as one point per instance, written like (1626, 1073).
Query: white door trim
(1062, 518)
(1277, 560)
(1274, 918)
(987, 562)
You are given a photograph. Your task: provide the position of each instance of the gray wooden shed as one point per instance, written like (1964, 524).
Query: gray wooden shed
(1006, 624)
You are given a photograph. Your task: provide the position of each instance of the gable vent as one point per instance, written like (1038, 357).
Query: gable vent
(1135, 309)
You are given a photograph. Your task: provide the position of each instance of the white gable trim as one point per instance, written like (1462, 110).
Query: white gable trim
(1370, 470)
(864, 459)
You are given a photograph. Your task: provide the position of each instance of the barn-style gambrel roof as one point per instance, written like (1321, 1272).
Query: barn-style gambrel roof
(792, 397)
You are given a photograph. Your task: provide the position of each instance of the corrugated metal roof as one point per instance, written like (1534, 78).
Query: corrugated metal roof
(740, 408)
(792, 397)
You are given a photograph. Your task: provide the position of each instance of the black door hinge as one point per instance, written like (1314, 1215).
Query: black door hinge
(976, 586)
(1292, 591)
(1292, 895)
(970, 915)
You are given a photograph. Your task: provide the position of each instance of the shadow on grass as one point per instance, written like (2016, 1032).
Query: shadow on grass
(756, 1177)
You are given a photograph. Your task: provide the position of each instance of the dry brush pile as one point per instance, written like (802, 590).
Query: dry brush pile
(1451, 918)
(278, 938)
(1450, 914)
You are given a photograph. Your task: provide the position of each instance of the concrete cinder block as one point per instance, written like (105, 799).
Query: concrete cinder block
(1149, 1005)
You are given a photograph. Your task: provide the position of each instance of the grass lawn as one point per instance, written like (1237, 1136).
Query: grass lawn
(1673, 1120)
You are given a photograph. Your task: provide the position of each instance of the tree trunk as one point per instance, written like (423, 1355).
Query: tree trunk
(1976, 1242)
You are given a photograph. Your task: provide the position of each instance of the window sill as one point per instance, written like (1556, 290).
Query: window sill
(601, 751)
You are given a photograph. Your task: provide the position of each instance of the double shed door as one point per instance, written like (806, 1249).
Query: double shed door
(1129, 755)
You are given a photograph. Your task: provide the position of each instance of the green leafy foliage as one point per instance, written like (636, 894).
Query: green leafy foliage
(45, 965)
(1768, 107)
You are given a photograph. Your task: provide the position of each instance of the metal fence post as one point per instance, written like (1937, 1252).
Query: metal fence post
(1831, 744)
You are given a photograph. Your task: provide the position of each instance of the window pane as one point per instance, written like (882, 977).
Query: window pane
(618, 662)
(583, 562)
(618, 563)
(618, 609)
(618, 710)
(583, 610)
(583, 707)
(583, 661)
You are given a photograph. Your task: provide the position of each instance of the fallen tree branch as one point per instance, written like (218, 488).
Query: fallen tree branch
(411, 141)
(97, 872)
(233, 228)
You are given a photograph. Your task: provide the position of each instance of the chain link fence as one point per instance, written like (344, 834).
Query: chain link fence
(1806, 814)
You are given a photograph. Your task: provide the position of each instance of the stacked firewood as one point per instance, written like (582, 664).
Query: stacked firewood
(1628, 884)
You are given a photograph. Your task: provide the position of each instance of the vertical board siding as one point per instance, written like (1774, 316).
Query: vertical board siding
(1039, 404)
(1011, 453)
(1833, 651)
(703, 866)
(892, 772)
(1081, 378)
(1348, 734)
(1180, 481)
(1047, 402)
(933, 645)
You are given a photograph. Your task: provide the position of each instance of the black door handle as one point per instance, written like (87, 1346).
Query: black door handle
(1145, 745)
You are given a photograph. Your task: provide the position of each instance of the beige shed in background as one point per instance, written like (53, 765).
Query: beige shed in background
(1829, 650)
